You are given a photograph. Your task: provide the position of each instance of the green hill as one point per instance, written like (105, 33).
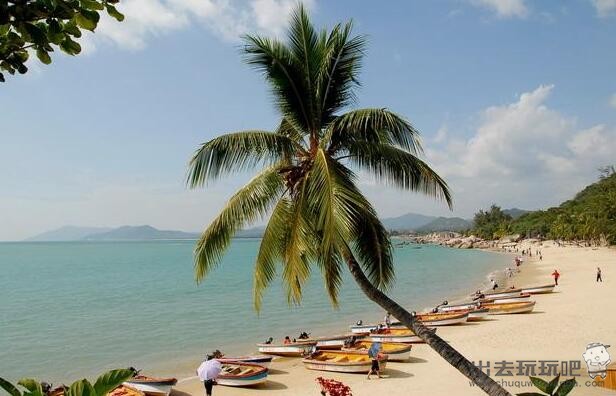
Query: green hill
(590, 215)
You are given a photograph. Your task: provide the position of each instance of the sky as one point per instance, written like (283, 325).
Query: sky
(515, 100)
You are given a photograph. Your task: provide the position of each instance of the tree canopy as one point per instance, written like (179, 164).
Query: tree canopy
(41, 26)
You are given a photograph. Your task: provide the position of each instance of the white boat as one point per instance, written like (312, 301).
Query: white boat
(294, 349)
(395, 335)
(523, 297)
(363, 328)
(539, 289)
(152, 386)
(332, 342)
(503, 294)
(261, 360)
(511, 308)
(241, 374)
(342, 362)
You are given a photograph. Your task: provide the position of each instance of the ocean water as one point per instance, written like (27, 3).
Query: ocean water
(75, 309)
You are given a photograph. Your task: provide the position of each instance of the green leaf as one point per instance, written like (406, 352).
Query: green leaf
(4, 29)
(4, 384)
(55, 34)
(43, 56)
(566, 387)
(36, 33)
(32, 385)
(70, 47)
(539, 383)
(72, 29)
(111, 380)
(92, 5)
(552, 385)
(81, 388)
(112, 11)
(87, 19)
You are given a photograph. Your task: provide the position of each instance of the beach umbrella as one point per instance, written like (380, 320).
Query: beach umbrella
(374, 349)
(209, 370)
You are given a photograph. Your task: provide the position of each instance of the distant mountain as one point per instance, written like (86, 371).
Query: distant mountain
(139, 233)
(446, 224)
(407, 222)
(67, 233)
(515, 212)
(256, 232)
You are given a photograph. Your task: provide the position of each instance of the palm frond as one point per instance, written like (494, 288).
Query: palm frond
(285, 75)
(235, 152)
(299, 250)
(339, 70)
(293, 132)
(372, 126)
(373, 249)
(272, 249)
(398, 168)
(335, 205)
(251, 202)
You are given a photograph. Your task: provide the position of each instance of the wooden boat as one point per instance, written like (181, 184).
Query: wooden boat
(503, 294)
(522, 297)
(241, 374)
(403, 335)
(261, 360)
(125, 390)
(342, 362)
(394, 350)
(511, 308)
(332, 342)
(539, 289)
(295, 349)
(152, 386)
(443, 318)
(363, 328)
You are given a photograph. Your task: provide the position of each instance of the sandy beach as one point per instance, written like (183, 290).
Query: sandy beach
(559, 329)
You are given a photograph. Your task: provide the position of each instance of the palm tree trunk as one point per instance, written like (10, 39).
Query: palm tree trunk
(453, 357)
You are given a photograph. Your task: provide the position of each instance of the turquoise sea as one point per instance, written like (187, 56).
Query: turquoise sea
(75, 309)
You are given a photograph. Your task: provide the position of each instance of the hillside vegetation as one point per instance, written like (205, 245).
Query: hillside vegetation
(590, 215)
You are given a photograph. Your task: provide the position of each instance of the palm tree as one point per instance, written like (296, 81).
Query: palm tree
(318, 214)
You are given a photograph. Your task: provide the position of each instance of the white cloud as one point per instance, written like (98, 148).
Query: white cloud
(613, 101)
(605, 8)
(504, 8)
(523, 154)
(227, 19)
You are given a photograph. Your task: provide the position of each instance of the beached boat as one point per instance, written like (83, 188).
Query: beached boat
(363, 328)
(261, 360)
(443, 318)
(152, 386)
(539, 289)
(394, 350)
(332, 342)
(475, 313)
(126, 390)
(522, 297)
(471, 305)
(342, 362)
(241, 374)
(295, 349)
(403, 335)
(511, 308)
(502, 294)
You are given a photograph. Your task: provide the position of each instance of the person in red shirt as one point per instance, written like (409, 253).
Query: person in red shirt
(556, 275)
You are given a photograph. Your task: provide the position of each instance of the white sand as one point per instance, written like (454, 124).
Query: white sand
(561, 326)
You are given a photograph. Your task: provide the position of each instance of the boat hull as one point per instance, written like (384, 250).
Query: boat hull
(261, 360)
(394, 351)
(478, 315)
(290, 350)
(539, 289)
(516, 308)
(342, 362)
(249, 374)
(151, 389)
(406, 339)
(447, 321)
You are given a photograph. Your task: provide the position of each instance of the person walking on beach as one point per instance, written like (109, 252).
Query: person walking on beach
(208, 371)
(375, 353)
(599, 278)
(556, 275)
(494, 284)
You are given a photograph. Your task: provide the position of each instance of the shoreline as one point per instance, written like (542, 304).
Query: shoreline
(542, 335)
